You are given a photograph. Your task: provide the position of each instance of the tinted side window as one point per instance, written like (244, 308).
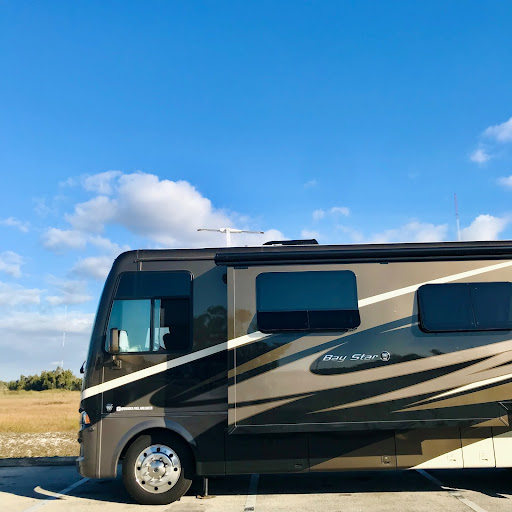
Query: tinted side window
(445, 307)
(307, 301)
(492, 305)
(142, 285)
(465, 307)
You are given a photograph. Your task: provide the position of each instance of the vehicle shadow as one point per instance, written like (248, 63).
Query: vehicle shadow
(491, 482)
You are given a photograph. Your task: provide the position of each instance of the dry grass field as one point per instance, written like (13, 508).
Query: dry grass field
(38, 423)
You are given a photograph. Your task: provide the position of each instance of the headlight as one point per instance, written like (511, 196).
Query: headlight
(84, 418)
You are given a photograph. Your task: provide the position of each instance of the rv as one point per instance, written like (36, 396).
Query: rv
(298, 358)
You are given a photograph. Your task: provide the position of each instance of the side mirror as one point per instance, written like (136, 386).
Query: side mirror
(117, 341)
(113, 342)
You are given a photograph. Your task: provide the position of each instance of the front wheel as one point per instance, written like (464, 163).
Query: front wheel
(157, 469)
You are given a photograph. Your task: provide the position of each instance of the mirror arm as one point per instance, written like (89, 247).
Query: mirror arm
(113, 362)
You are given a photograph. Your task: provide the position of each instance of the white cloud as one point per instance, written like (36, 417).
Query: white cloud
(505, 181)
(318, 215)
(11, 263)
(354, 234)
(75, 298)
(480, 156)
(500, 132)
(70, 292)
(307, 234)
(334, 211)
(485, 227)
(58, 239)
(101, 183)
(342, 210)
(166, 212)
(69, 182)
(92, 215)
(44, 325)
(15, 295)
(43, 207)
(30, 341)
(311, 184)
(413, 231)
(15, 223)
(107, 245)
(96, 267)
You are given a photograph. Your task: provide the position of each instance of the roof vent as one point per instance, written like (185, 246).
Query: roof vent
(310, 241)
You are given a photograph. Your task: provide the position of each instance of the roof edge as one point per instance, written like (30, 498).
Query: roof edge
(370, 253)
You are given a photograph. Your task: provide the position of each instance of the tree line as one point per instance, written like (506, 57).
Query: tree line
(53, 379)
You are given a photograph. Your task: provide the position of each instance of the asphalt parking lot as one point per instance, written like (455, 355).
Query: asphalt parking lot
(55, 489)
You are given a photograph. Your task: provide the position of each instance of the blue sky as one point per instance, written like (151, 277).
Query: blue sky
(131, 124)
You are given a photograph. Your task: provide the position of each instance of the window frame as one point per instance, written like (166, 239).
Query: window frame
(152, 299)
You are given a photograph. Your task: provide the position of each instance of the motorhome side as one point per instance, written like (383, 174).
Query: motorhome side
(297, 359)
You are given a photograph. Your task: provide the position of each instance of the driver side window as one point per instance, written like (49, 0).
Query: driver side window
(169, 332)
(133, 320)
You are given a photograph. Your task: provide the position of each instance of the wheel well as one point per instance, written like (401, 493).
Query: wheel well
(170, 433)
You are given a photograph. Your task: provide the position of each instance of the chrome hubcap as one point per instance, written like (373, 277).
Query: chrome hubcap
(157, 468)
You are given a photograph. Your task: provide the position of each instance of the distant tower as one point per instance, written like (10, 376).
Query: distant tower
(457, 217)
(64, 334)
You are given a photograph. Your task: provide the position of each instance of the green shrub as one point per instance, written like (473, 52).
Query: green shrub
(53, 379)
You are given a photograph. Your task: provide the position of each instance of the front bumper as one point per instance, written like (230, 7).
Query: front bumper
(87, 462)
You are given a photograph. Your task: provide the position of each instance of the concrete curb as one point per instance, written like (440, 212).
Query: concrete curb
(38, 461)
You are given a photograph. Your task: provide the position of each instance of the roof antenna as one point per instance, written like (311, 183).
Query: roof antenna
(457, 217)
(228, 232)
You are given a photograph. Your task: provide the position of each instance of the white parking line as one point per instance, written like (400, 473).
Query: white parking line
(56, 495)
(452, 492)
(250, 502)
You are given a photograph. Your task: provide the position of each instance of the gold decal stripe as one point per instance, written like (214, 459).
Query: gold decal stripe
(446, 279)
(173, 363)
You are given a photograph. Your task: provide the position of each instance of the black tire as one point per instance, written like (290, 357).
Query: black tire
(144, 443)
